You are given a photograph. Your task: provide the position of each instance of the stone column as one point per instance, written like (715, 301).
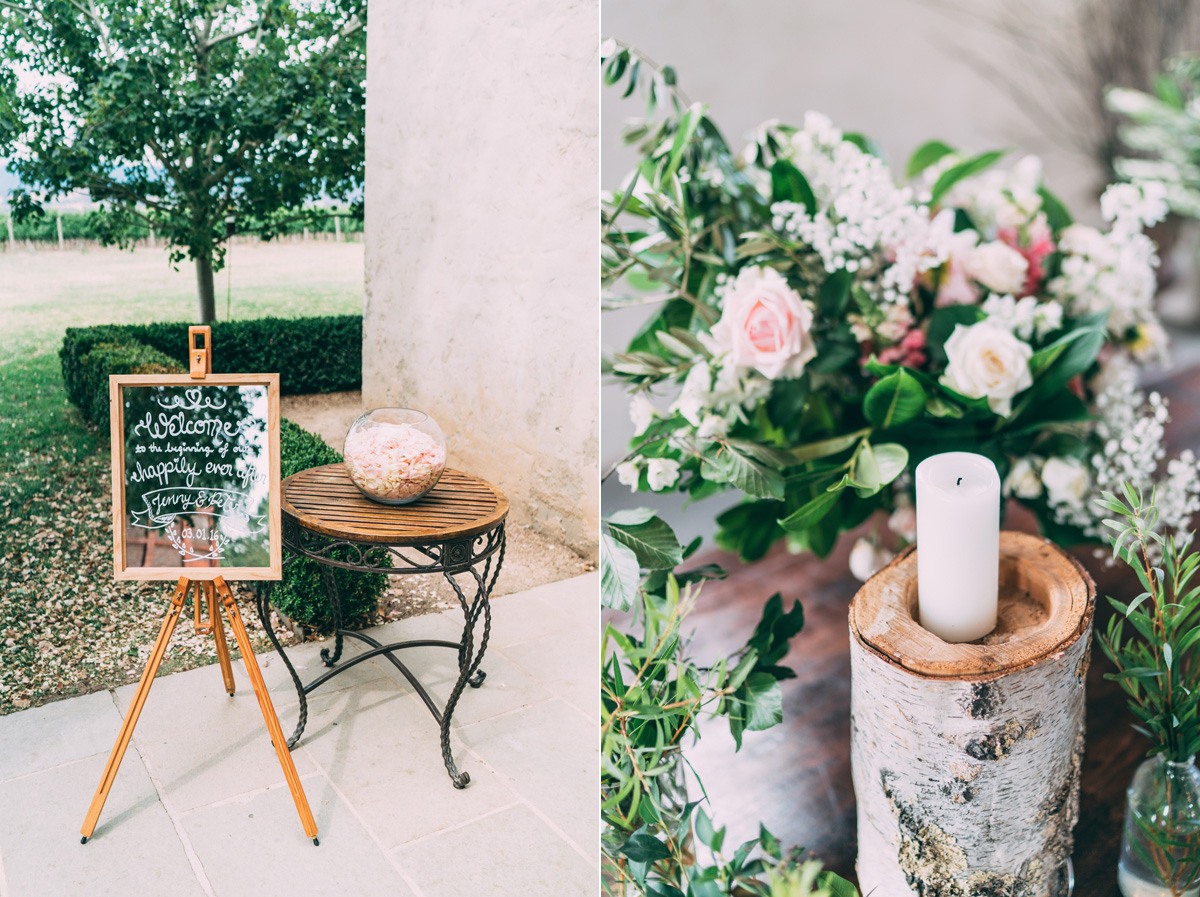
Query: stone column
(481, 242)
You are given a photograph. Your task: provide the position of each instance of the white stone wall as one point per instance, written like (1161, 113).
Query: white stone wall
(481, 250)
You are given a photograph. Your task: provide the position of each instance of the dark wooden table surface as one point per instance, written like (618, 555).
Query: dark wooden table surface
(795, 778)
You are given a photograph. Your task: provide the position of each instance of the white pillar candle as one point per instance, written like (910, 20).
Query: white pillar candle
(958, 545)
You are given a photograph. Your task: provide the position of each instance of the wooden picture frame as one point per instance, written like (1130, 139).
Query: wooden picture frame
(273, 568)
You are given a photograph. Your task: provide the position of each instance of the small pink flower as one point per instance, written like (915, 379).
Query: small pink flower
(909, 352)
(1038, 244)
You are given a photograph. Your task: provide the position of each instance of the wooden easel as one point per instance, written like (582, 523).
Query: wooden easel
(204, 593)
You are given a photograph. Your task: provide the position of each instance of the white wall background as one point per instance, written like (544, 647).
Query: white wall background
(481, 253)
(892, 69)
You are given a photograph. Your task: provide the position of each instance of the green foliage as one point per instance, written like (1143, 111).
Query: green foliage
(40, 226)
(1163, 131)
(176, 115)
(301, 593)
(1158, 662)
(631, 541)
(115, 358)
(653, 698)
(318, 354)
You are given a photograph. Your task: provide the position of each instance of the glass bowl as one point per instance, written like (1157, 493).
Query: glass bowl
(394, 455)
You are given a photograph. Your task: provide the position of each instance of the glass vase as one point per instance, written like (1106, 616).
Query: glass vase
(1160, 849)
(394, 455)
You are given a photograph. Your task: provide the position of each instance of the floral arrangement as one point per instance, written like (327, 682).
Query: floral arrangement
(818, 328)
(395, 463)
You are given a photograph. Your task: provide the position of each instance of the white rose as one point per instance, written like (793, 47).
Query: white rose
(628, 473)
(1023, 480)
(1066, 481)
(642, 412)
(866, 558)
(765, 325)
(662, 473)
(998, 267)
(986, 360)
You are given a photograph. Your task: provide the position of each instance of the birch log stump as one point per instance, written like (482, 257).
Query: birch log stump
(966, 757)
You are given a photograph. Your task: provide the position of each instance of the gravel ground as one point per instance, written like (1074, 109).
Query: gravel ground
(69, 628)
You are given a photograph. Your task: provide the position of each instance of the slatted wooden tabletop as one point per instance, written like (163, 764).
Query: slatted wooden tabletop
(325, 500)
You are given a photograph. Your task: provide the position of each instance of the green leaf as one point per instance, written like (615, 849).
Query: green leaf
(823, 448)
(1057, 215)
(642, 847)
(924, 156)
(632, 516)
(749, 529)
(704, 828)
(771, 637)
(789, 185)
(896, 399)
(864, 143)
(876, 466)
(618, 574)
(834, 295)
(687, 129)
(751, 476)
(941, 325)
(937, 406)
(770, 844)
(956, 173)
(1069, 355)
(785, 405)
(891, 458)
(653, 542)
(756, 706)
(810, 513)
(836, 886)
(764, 701)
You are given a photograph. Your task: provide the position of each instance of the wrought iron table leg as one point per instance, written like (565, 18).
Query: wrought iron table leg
(331, 590)
(263, 596)
(468, 662)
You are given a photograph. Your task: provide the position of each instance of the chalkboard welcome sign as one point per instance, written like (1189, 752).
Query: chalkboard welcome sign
(195, 476)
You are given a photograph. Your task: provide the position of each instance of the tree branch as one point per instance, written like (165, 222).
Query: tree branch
(232, 35)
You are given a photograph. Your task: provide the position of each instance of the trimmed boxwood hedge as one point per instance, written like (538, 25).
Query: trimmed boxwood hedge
(301, 594)
(90, 354)
(320, 354)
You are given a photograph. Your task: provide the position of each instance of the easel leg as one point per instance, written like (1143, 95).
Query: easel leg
(134, 711)
(214, 614)
(268, 709)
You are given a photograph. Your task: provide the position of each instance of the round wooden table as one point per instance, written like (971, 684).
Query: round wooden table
(457, 528)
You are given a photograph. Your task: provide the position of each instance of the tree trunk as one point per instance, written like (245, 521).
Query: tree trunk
(966, 757)
(207, 292)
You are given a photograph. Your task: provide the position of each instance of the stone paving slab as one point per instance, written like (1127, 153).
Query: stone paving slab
(200, 807)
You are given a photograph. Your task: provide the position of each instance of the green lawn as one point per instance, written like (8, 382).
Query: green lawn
(66, 626)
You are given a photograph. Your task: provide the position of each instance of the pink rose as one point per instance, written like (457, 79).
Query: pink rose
(765, 325)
